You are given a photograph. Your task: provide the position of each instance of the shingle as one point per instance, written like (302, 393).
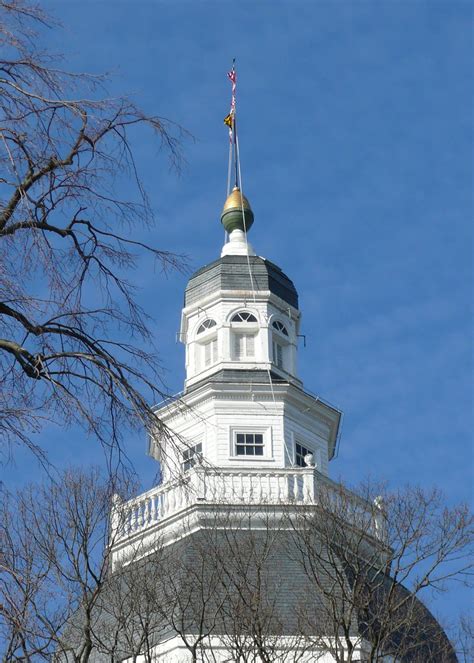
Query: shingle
(232, 273)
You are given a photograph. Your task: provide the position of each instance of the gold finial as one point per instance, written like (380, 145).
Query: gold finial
(235, 200)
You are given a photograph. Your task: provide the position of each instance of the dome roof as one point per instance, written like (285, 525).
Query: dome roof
(231, 272)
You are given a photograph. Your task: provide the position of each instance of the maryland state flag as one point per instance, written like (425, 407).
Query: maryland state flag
(229, 120)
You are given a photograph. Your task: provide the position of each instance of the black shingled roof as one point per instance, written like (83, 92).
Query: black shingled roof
(232, 273)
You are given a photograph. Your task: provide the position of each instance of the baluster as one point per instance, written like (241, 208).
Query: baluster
(242, 491)
(269, 484)
(140, 515)
(153, 516)
(146, 515)
(280, 478)
(295, 488)
(204, 480)
(222, 490)
(134, 519)
(164, 504)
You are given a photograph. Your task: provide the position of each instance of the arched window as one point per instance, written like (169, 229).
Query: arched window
(243, 339)
(244, 316)
(280, 345)
(206, 348)
(207, 324)
(279, 326)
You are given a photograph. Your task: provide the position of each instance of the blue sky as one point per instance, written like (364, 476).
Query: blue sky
(355, 122)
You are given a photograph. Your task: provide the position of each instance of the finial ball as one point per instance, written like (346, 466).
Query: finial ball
(237, 213)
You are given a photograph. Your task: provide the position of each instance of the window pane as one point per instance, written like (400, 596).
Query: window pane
(250, 345)
(207, 354)
(249, 444)
(244, 316)
(300, 453)
(207, 324)
(190, 456)
(238, 345)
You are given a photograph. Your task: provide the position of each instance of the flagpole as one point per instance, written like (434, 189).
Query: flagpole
(236, 153)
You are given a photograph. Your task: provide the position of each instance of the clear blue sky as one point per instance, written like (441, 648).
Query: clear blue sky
(356, 141)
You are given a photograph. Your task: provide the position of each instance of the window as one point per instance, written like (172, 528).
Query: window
(249, 444)
(207, 324)
(279, 326)
(243, 345)
(244, 316)
(277, 354)
(191, 456)
(300, 453)
(209, 352)
(206, 353)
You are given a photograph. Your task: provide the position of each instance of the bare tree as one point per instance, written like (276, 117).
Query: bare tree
(54, 566)
(71, 332)
(371, 559)
(339, 580)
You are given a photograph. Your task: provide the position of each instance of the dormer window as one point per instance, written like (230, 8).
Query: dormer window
(206, 325)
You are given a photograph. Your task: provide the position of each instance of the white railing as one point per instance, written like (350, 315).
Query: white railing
(231, 486)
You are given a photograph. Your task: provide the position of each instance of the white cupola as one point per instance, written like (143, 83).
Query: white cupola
(241, 311)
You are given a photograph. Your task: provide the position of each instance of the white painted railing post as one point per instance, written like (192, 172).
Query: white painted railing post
(198, 482)
(308, 485)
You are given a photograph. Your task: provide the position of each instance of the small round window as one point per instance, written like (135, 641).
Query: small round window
(207, 324)
(244, 316)
(279, 326)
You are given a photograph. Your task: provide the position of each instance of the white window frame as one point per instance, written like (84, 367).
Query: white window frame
(280, 327)
(208, 356)
(248, 331)
(206, 339)
(281, 340)
(248, 345)
(266, 433)
(278, 353)
(205, 326)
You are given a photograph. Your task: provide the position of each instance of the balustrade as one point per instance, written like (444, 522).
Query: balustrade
(228, 486)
